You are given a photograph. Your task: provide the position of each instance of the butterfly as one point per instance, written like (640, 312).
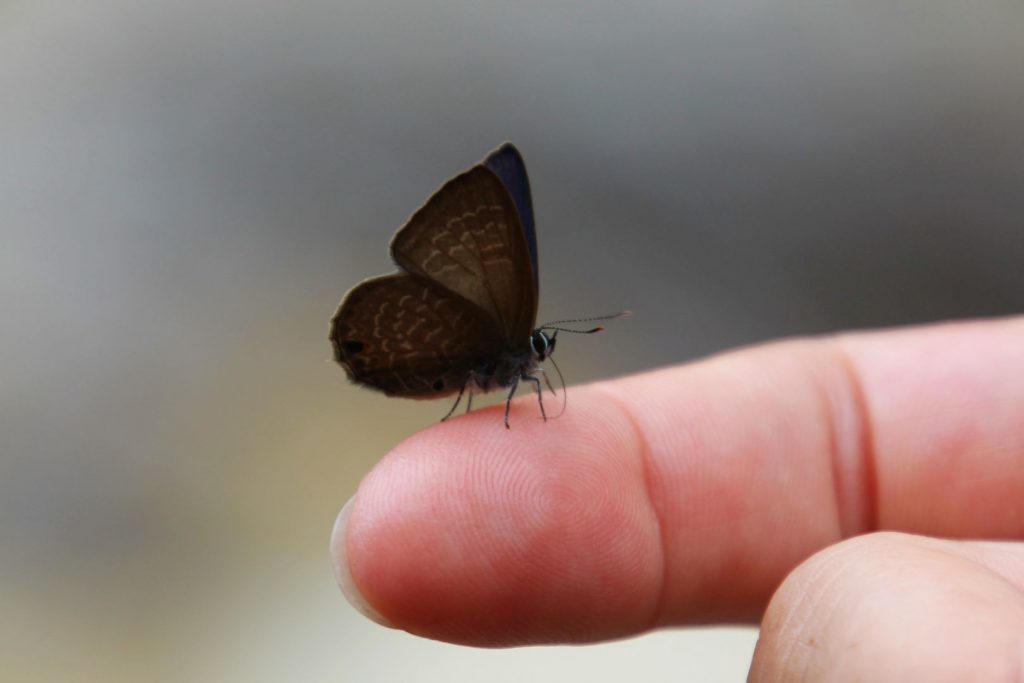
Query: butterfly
(461, 312)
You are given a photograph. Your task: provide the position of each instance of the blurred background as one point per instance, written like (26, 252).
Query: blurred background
(187, 189)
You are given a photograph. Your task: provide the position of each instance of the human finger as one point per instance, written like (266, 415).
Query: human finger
(896, 607)
(686, 495)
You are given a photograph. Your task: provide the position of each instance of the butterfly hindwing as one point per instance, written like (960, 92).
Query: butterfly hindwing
(408, 337)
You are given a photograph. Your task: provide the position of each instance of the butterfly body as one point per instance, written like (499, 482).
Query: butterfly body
(512, 365)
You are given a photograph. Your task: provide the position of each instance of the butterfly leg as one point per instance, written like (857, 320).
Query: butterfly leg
(540, 394)
(469, 399)
(461, 391)
(508, 401)
(548, 382)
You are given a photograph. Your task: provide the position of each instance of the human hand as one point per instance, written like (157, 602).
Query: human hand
(722, 491)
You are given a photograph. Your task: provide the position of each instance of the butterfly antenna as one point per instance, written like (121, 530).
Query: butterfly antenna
(554, 324)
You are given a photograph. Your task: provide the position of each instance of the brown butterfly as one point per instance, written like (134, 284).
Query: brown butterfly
(461, 312)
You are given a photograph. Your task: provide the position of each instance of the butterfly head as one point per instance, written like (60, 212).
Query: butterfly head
(542, 345)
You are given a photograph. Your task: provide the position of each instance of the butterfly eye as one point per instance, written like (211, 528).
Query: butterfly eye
(541, 344)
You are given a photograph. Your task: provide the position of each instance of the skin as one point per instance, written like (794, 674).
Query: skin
(861, 496)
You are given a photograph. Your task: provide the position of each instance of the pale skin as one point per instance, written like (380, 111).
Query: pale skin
(861, 496)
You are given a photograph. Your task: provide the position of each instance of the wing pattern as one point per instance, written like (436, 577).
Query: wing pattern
(407, 337)
(468, 239)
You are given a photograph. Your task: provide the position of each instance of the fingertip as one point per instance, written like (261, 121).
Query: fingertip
(342, 571)
(470, 533)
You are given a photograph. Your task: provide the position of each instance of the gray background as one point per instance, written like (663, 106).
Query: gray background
(188, 188)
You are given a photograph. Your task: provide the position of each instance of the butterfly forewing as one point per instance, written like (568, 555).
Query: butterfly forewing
(468, 239)
(507, 164)
(409, 337)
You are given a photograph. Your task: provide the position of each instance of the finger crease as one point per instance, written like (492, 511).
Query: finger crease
(853, 452)
(646, 463)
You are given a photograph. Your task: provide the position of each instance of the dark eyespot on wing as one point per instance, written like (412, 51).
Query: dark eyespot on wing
(439, 385)
(352, 345)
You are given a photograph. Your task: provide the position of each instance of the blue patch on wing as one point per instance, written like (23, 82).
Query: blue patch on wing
(506, 163)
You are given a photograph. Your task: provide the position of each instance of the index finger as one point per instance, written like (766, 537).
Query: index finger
(685, 495)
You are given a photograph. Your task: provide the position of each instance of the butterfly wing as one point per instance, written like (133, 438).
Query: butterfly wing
(469, 240)
(507, 164)
(408, 337)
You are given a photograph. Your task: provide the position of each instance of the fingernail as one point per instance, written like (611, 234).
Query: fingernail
(342, 573)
